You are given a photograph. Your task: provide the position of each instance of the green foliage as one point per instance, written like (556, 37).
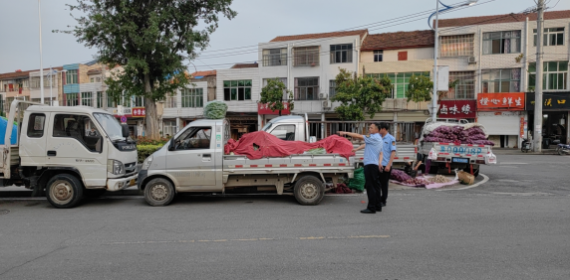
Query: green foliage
(149, 141)
(143, 151)
(150, 40)
(275, 93)
(419, 88)
(359, 96)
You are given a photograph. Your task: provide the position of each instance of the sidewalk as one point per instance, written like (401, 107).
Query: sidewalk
(511, 151)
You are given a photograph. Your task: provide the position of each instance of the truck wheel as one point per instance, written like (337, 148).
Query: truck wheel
(309, 190)
(158, 192)
(64, 191)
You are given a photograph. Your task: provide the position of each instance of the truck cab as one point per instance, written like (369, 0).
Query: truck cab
(67, 152)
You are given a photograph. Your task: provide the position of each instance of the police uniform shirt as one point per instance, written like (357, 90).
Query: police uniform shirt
(372, 149)
(389, 145)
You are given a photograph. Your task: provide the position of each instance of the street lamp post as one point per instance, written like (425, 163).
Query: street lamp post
(41, 56)
(434, 107)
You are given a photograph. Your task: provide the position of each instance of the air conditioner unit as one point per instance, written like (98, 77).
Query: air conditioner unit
(471, 60)
(326, 104)
(322, 95)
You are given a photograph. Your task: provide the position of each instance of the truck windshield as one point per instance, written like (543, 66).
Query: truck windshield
(110, 125)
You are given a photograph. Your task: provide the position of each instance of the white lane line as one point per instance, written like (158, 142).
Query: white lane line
(513, 162)
(485, 179)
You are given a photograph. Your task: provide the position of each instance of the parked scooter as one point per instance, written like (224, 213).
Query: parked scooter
(563, 149)
(526, 145)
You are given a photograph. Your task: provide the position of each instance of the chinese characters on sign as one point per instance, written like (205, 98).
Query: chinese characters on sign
(549, 101)
(458, 109)
(263, 109)
(139, 112)
(500, 101)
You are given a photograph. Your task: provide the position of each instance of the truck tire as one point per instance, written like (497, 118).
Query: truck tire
(309, 190)
(64, 191)
(158, 192)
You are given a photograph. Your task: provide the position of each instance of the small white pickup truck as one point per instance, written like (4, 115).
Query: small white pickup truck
(194, 161)
(66, 152)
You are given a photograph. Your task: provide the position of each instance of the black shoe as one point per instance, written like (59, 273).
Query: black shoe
(367, 211)
(383, 204)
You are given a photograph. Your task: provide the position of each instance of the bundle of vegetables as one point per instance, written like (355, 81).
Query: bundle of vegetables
(417, 182)
(399, 175)
(342, 188)
(439, 179)
(458, 134)
(358, 181)
(317, 151)
(215, 110)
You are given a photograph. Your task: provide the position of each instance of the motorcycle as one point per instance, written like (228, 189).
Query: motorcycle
(525, 146)
(563, 149)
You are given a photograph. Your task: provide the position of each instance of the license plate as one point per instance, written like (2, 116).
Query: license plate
(460, 160)
(132, 182)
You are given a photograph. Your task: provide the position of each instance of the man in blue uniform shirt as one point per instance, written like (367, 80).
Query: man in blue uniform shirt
(389, 152)
(372, 157)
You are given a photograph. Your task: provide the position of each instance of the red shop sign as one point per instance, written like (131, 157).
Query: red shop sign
(263, 109)
(458, 109)
(138, 112)
(509, 101)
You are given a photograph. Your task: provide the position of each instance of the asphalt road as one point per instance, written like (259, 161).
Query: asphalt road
(515, 226)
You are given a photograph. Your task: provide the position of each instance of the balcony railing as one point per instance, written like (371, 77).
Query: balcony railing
(274, 59)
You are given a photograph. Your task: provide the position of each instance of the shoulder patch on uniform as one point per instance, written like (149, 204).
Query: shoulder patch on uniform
(368, 135)
(394, 143)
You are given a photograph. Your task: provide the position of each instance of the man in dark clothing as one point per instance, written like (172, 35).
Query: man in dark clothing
(372, 157)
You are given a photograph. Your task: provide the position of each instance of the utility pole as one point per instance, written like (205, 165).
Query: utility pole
(538, 86)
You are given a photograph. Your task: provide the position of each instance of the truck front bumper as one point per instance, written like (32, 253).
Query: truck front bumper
(114, 185)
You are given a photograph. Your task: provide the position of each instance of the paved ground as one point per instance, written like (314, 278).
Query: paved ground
(515, 226)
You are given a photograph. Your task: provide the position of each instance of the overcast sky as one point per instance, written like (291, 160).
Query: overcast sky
(257, 21)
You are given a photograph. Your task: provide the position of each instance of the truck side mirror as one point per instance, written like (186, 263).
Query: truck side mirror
(126, 132)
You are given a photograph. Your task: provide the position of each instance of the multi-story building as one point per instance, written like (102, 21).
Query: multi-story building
(399, 56)
(25, 85)
(492, 60)
(307, 64)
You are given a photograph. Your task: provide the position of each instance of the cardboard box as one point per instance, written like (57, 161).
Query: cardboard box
(465, 178)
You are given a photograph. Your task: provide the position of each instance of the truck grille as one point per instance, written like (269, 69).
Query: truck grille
(130, 167)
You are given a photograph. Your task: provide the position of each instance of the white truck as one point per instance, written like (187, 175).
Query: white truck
(194, 161)
(296, 128)
(447, 157)
(66, 152)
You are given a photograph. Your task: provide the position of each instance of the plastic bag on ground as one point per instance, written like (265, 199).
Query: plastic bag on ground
(357, 183)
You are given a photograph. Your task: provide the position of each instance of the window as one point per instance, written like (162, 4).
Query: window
(465, 87)
(87, 99)
(99, 99)
(274, 57)
(552, 37)
(39, 100)
(402, 56)
(169, 128)
(80, 128)
(92, 80)
(454, 46)
(306, 56)
(501, 80)
(36, 125)
(237, 90)
(192, 98)
(110, 101)
(283, 80)
(502, 42)
(284, 132)
(332, 89)
(170, 102)
(194, 138)
(341, 53)
(139, 101)
(554, 77)
(307, 88)
(71, 99)
(378, 56)
(400, 81)
(71, 77)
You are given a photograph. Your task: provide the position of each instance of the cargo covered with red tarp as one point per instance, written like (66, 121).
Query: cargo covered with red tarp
(260, 144)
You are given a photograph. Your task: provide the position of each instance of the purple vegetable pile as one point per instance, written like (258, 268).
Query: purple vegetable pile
(457, 134)
(399, 175)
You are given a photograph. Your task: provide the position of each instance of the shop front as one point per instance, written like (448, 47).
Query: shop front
(503, 116)
(458, 109)
(555, 111)
(134, 117)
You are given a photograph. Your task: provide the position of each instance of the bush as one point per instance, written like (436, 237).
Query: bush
(143, 151)
(147, 141)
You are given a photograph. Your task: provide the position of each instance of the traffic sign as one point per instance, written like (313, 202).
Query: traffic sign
(123, 119)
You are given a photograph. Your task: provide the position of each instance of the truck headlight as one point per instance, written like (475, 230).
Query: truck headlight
(115, 167)
(146, 163)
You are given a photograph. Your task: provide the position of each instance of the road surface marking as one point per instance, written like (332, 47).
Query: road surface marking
(247, 239)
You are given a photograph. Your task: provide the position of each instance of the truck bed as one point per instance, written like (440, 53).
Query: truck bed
(329, 163)
(14, 158)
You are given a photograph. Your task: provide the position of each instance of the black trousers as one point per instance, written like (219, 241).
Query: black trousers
(384, 180)
(372, 176)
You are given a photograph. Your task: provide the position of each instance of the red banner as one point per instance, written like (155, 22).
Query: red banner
(138, 112)
(508, 101)
(263, 109)
(457, 109)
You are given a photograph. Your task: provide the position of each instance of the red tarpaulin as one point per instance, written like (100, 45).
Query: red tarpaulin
(260, 144)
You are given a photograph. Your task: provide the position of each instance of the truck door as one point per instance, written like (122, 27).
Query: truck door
(76, 142)
(284, 132)
(33, 140)
(191, 160)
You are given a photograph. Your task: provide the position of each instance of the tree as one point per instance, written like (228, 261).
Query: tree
(420, 89)
(150, 40)
(273, 95)
(359, 96)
